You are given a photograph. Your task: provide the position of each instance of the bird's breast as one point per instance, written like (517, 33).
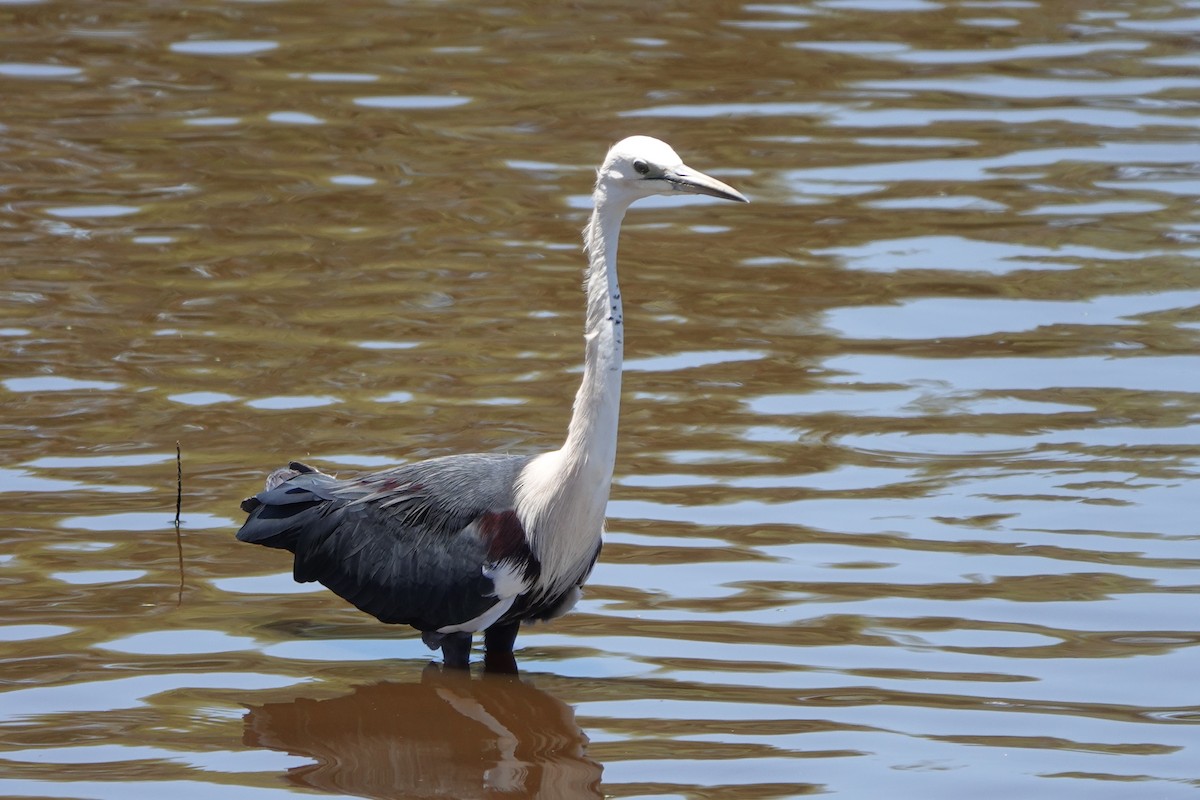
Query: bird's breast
(561, 506)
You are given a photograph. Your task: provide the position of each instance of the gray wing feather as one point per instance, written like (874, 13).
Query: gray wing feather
(398, 544)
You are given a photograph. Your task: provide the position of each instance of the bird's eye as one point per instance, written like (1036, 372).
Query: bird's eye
(641, 167)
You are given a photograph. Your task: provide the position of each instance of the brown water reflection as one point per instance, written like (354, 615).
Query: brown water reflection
(906, 492)
(444, 736)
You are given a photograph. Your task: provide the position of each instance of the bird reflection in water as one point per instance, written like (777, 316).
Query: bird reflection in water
(448, 736)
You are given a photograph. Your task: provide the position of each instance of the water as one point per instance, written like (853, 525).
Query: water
(906, 492)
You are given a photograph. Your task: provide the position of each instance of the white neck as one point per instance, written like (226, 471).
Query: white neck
(563, 494)
(592, 434)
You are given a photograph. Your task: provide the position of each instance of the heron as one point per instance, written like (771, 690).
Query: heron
(460, 544)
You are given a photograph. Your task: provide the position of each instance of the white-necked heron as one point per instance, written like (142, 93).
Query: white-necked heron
(484, 542)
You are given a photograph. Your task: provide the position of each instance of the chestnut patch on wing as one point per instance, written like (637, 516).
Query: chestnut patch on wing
(505, 536)
(396, 485)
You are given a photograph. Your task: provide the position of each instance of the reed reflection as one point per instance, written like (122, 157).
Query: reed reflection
(449, 735)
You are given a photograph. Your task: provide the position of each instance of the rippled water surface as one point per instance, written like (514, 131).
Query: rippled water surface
(906, 496)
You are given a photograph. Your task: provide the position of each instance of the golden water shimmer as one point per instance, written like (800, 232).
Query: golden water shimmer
(906, 495)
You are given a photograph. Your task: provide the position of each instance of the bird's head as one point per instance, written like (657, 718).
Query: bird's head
(641, 166)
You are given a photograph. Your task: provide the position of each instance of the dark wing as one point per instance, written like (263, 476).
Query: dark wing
(407, 545)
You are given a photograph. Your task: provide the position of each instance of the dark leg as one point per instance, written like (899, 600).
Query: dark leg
(499, 641)
(456, 651)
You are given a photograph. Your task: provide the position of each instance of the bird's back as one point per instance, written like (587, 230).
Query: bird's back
(409, 544)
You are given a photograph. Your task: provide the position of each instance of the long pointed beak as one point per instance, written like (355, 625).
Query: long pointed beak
(685, 179)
